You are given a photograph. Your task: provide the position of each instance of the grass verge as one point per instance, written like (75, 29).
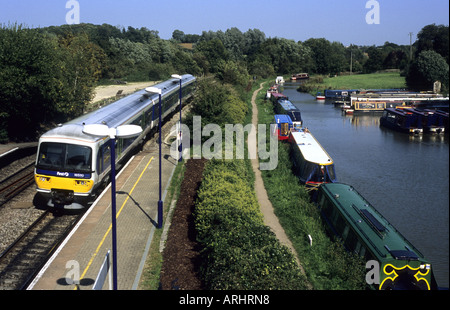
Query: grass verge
(382, 80)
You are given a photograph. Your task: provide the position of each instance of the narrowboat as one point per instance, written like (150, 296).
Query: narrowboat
(284, 126)
(312, 164)
(444, 116)
(365, 232)
(370, 106)
(271, 90)
(277, 96)
(299, 76)
(339, 93)
(287, 107)
(402, 120)
(279, 80)
(432, 121)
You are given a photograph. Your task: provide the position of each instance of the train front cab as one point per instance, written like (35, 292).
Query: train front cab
(64, 174)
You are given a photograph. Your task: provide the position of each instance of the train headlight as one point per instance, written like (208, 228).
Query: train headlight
(44, 179)
(81, 182)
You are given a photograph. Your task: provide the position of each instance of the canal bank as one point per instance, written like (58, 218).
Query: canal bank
(405, 178)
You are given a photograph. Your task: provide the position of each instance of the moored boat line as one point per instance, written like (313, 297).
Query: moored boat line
(414, 121)
(315, 169)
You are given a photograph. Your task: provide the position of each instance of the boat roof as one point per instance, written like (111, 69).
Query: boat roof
(400, 111)
(288, 106)
(310, 148)
(383, 238)
(282, 118)
(116, 113)
(279, 95)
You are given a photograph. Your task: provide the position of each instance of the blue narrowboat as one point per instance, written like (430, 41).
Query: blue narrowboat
(288, 108)
(402, 120)
(433, 122)
(284, 126)
(339, 93)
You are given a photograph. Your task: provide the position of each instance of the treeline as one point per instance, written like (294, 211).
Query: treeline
(48, 74)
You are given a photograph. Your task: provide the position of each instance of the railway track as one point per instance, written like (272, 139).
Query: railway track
(21, 261)
(14, 184)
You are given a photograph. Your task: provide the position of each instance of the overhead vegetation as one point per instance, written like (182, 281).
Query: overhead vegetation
(48, 74)
(430, 63)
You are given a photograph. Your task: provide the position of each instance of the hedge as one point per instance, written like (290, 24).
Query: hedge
(239, 251)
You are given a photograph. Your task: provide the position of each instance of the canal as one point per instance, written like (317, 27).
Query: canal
(406, 178)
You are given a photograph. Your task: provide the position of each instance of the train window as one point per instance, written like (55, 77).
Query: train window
(106, 156)
(62, 156)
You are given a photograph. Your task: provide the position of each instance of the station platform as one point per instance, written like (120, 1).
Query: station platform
(11, 147)
(83, 252)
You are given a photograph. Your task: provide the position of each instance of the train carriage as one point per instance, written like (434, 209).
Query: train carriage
(71, 165)
(364, 231)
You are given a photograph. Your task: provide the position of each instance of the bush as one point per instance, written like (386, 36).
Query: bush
(426, 69)
(239, 251)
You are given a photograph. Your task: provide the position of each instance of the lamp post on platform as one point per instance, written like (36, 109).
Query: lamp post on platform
(180, 146)
(155, 90)
(125, 131)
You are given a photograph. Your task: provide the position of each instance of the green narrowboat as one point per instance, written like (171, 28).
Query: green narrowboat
(364, 231)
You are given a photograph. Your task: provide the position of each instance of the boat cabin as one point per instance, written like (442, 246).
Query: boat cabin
(299, 76)
(402, 120)
(288, 108)
(284, 126)
(432, 121)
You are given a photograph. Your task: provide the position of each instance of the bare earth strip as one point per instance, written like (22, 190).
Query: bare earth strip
(104, 92)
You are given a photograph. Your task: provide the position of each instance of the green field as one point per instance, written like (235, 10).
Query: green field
(385, 80)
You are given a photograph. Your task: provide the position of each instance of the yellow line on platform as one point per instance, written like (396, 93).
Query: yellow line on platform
(110, 226)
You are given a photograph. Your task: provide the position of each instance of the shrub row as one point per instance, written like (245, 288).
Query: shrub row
(239, 251)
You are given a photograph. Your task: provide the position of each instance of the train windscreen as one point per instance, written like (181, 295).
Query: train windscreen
(64, 157)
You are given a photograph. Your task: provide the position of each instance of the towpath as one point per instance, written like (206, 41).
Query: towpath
(270, 219)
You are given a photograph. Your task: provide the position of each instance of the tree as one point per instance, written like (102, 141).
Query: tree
(328, 58)
(234, 73)
(286, 56)
(435, 38)
(28, 86)
(426, 69)
(178, 35)
(375, 61)
(81, 63)
(214, 52)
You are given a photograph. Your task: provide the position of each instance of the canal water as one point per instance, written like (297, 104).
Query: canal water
(405, 178)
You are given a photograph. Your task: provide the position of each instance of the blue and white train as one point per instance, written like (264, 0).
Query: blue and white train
(71, 165)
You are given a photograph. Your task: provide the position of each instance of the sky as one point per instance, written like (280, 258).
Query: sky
(345, 21)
